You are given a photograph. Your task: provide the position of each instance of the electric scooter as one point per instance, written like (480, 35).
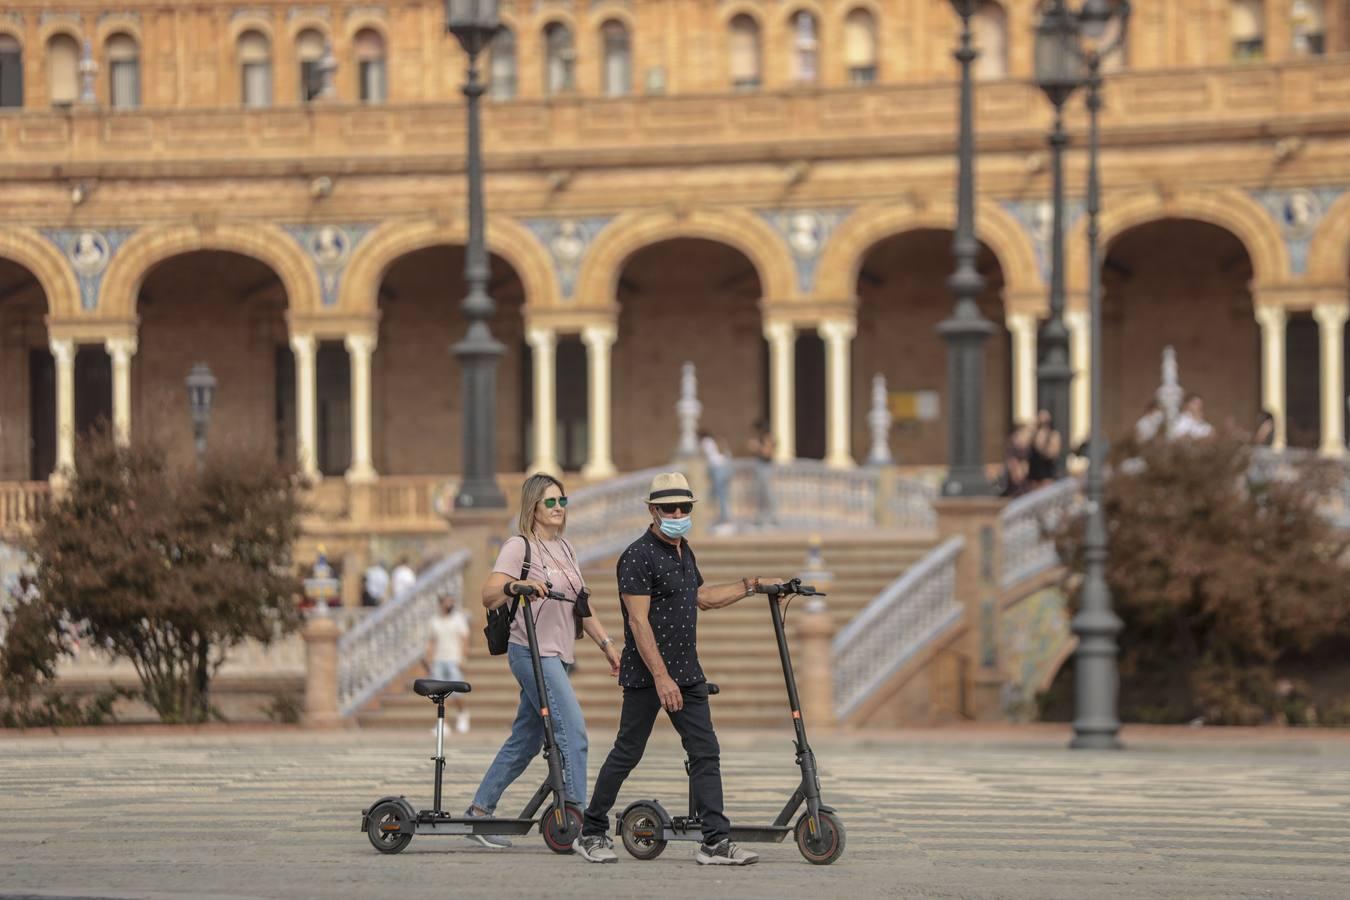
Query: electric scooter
(391, 822)
(646, 827)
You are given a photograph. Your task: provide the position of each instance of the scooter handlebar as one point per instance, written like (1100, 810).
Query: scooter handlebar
(793, 586)
(521, 589)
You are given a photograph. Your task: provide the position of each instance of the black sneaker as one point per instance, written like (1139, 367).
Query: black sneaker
(597, 848)
(724, 853)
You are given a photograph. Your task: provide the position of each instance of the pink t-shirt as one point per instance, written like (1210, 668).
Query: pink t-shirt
(553, 562)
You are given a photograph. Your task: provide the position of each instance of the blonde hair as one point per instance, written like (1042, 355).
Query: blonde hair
(531, 492)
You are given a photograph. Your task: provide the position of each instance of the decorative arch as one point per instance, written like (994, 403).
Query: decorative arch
(266, 243)
(611, 12)
(1329, 250)
(1228, 209)
(39, 256)
(837, 276)
(119, 24)
(308, 23)
(373, 257)
(251, 22)
(626, 235)
(363, 20)
(60, 26)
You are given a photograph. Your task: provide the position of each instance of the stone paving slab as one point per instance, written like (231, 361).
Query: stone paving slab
(275, 813)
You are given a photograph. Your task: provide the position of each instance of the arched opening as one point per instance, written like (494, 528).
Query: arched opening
(309, 52)
(368, 50)
(1185, 284)
(686, 300)
(805, 47)
(124, 71)
(860, 46)
(990, 25)
(11, 72)
(560, 57)
(417, 382)
(902, 297)
(63, 70)
(255, 69)
(228, 311)
(744, 53)
(27, 378)
(618, 63)
(502, 66)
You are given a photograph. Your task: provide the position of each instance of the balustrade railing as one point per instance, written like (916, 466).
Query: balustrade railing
(604, 518)
(909, 613)
(1028, 525)
(807, 494)
(21, 502)
(393, 637)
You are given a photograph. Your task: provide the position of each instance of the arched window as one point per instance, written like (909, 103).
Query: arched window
(255, 69)
(618, 71)
(502, 74)
(124, 71)
(63, 69)
(860, 46)
(744, 47)
(1247, 29)
(990, 25)
(1309, 33)
(370, 71)
(11, 71)
(559, 60)
(309, 47)
(805, 47)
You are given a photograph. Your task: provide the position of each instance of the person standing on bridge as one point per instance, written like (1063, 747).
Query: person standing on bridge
(661, 592)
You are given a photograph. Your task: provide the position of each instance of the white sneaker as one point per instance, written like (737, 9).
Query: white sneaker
(462, 722)
(724, 853)
(596, 848)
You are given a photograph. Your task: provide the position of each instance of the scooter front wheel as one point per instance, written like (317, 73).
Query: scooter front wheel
(642, 832)
(384, 826)
(824, 846)
(561, 830)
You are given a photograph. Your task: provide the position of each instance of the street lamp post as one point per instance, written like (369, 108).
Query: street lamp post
(966, 330)
(1059, 72)
(201, 391)
(475, 23)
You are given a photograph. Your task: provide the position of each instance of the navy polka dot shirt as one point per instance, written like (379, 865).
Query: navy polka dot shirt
(650, 567)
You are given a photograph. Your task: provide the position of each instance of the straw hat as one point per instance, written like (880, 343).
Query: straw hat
(670, 487)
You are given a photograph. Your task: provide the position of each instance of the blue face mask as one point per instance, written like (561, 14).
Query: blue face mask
(676, 528)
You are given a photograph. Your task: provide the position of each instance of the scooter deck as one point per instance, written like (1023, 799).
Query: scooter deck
(745, 834)
(430, 823)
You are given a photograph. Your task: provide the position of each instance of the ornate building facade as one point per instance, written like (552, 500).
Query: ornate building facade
(762, 187)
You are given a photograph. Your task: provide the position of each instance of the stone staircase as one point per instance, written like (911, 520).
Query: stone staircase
(736, 644)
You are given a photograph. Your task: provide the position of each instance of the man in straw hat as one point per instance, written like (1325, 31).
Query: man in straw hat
(662, 592)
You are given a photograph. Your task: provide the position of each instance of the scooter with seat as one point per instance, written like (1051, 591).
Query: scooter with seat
(391, 822)
(645, 827)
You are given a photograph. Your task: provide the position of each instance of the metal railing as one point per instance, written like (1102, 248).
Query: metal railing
(903, 618)
(1028, 525)
(392, 638)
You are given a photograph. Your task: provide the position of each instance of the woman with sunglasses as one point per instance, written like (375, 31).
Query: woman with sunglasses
(543, 516)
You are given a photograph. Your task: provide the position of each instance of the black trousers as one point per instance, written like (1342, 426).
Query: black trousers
(694, 724)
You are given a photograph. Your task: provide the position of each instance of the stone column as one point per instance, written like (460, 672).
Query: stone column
(63, 349)
(121, 349)
(321, 672)
(1331, 326)
(838, 336)
(360, 347)
(599, 341)
(1272, 320)
(978, 573)
(543, 344)
(306, 444)
(782, 338)
(1080, 360)
(1023, 329)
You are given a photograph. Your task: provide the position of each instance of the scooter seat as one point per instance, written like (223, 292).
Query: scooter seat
(713, 689)
(437, 690)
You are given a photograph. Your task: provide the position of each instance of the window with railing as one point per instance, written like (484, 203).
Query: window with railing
(560, 57)
(371, 72)
(11, 71)
(124, 71)
(502, 66)
(860, 46)
(1247, 29)
(63, 69)
(805, 47)
(744, 51)
(618, 59)
(255, 69)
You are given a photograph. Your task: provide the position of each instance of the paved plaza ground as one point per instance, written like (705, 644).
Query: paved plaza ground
(950, 813)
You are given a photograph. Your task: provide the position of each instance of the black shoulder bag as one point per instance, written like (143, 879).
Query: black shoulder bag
(498, 627)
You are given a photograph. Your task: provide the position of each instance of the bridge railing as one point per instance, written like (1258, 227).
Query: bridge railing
(903, 618)
(1028, 525)
(808, 494)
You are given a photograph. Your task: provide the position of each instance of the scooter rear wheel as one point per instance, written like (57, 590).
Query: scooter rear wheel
(383, 828)
(641, 832)
(559, 837)
(825, 847)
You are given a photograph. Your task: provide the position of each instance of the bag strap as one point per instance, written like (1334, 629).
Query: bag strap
(524, 573)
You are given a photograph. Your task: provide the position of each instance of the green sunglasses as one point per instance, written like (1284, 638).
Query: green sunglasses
(551, 502)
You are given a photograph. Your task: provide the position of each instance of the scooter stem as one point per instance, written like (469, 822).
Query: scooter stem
(555, 775)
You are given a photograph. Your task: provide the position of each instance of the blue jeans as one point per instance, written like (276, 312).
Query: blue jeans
(527, 732)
